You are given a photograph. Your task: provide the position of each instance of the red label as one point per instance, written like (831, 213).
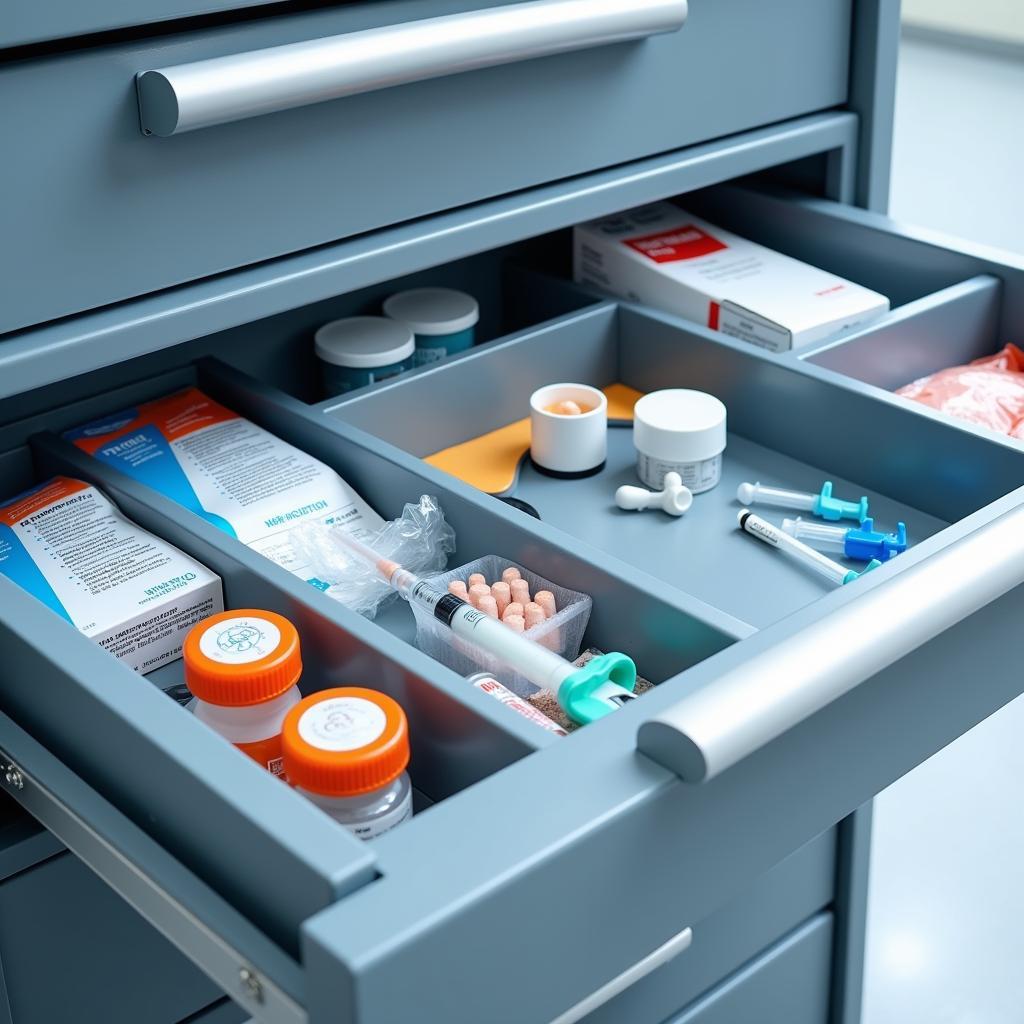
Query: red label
(713, 313)
(686, 242)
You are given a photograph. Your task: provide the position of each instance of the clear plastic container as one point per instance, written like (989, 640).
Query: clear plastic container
(242, 667)
(346, 750)
(562, 633)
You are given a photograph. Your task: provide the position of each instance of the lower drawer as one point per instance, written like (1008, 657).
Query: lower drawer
(792, 892)
(72, 950)
(788, 985)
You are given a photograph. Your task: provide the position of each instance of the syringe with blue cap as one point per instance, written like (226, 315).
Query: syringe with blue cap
(862, 542)
(822, 504)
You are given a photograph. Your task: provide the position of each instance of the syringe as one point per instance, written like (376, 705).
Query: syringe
(601, 686)
(823, 504)
(821, 564)
(859, 542)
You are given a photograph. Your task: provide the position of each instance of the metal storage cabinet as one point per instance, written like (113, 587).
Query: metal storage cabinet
(716, 819)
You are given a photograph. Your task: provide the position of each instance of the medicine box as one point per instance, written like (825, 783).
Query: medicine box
(134, 594)
(664, 257)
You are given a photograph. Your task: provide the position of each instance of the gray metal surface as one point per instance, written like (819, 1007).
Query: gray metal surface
(758, 916)
(51, 352)
(113, 214)
(62, 909)
(217, 90)
(946, 328)
(789, 983)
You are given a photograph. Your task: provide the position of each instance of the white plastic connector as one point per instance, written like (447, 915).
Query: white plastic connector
(675, 499)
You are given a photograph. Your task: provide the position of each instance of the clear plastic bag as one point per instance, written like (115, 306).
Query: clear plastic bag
(420, 540)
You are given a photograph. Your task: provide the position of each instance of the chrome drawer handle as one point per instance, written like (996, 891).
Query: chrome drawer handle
(712, 729)
(188, 96)
(650, 963)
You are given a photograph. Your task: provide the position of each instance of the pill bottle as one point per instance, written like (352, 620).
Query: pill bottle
(242, 667)
(361, 350)
(346, 750)
(443, 320)
(679, 431)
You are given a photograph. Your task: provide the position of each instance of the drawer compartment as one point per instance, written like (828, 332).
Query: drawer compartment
(112, 964)
(789, 983)
(113, 214)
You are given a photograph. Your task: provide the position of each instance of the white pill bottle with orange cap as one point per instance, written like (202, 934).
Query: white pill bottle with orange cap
(242, 667)
(346, 750)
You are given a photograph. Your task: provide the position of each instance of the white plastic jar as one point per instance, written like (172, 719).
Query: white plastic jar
(442, 319)
(346, 750)
(679, 431)
(242, 667)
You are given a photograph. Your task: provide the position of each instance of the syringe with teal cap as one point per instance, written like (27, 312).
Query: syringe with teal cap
(601, 686)
(822, 504)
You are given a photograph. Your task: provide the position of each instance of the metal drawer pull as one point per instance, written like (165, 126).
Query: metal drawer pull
(754, 703)
(179, 99)
(676, 945)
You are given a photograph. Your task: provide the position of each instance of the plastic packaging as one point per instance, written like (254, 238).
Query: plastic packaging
(443, 320)
(679, 431)
(346, 750)
(562, 634)
(132, 593)
(420, 538)
(361, 350)
(243, 667)
(988, 391)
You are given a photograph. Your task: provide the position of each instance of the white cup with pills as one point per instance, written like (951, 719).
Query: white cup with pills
(568, 430)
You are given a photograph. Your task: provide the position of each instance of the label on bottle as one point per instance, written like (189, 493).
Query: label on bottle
(240, 640)
(402, 811)
(516, 703)
(267, 754)
(342, 723)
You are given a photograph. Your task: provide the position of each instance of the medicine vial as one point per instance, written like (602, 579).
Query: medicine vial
(679, 431)
(346, 750)
(242, 667)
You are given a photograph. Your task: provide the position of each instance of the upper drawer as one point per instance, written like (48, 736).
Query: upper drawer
(111, 213)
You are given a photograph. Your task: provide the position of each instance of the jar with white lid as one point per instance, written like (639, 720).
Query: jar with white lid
(346, 750)
(679, 431)
(361, 350)
(242, 668)
(442, 319)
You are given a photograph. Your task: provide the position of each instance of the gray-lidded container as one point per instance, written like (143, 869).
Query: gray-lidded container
(562, 633)
(361, 350)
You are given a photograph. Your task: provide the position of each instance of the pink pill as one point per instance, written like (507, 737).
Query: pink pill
(477, 591)
(515, 622)
(458, 588)
(547, 601)
(510, 574)
(534, 615)
(488, 606)
(515, 608)
(520, 591)
(502, 593)
(477, 578)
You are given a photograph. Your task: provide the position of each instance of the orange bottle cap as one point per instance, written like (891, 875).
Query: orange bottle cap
(241, 657)
(345, 741)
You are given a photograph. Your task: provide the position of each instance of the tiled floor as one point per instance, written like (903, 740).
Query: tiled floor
(946, 911)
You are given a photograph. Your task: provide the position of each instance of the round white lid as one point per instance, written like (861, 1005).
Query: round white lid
(362, 342)
(433, 310)
(679, 425)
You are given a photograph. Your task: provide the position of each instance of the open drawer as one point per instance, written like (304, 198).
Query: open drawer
(793, 708)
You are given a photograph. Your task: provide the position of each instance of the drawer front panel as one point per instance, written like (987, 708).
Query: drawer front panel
(71, 949)
(112, 214)
(789, 983)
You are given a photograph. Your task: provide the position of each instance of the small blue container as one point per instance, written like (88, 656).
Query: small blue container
(443, 320)
(361, 350)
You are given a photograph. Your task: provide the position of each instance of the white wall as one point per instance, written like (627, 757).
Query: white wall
(999, 19)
